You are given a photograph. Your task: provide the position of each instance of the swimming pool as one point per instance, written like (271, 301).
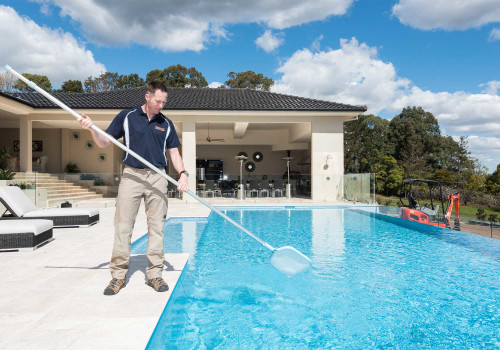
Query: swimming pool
(373, 284)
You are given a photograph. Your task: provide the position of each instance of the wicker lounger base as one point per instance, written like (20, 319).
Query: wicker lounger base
(24, 241)
(62, 221)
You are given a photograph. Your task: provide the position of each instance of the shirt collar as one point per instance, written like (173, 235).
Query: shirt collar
(142, 113)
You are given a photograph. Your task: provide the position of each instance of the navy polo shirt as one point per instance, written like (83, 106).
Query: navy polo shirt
(147, 138)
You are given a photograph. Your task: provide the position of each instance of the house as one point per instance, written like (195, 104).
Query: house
(255, 122)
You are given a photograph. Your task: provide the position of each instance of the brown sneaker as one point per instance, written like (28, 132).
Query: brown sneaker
(158, 284)
(114, 286)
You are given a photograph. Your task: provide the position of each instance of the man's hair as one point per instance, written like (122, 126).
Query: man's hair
(152, 86)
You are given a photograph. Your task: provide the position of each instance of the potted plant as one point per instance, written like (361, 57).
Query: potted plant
(13, 163)
(4, 157)
(23, 185)
(6, 174)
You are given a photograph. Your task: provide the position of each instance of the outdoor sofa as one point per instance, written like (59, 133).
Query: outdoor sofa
(24, 235)
(21, 207)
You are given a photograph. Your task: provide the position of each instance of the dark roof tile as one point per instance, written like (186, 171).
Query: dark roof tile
(186, 99)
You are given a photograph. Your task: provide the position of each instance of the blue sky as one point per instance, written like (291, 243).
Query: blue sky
(443, 55)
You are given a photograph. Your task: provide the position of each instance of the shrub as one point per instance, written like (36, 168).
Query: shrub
(481, 215)
(87, 177)
(99, 182)
(493, 218)
(71, 168)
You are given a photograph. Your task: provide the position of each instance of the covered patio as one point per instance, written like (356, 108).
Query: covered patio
(214, 126)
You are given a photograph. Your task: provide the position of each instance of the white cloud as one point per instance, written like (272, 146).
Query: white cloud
(494, 34)
(486, 149)
(316, 45)
(459, 112)
(215, 85)
(447, 14)
(269, 41)
(185, 25)
(354, 74)
(30, 48)
(491, 87)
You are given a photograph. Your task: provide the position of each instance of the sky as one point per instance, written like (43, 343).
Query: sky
(442, 55)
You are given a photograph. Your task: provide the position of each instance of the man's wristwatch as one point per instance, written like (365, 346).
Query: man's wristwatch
(184, 172)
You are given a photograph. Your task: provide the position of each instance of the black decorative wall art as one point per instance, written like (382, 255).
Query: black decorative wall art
(36, 146)
(258, 156)
(250, 166)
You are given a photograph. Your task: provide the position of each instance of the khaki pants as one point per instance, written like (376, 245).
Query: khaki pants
(135, 185)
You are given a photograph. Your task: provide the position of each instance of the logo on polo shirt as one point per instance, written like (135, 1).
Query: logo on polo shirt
(158, 128)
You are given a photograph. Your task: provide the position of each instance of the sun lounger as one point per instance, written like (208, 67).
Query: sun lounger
(24, 235)
(21, 207)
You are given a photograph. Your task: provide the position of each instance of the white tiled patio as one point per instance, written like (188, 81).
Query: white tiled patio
(52, 298)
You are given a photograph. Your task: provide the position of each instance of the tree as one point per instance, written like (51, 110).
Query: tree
(413, 159)
(105, 82)
(388, 174)
(72, 86)
(112, 81)
(129, 81)
(414, 124)
(365, 140)
(249, 80)
(444, 176)
(493, 182)
(7, 81)
(178, 76)
(41, 80)
(476, 183)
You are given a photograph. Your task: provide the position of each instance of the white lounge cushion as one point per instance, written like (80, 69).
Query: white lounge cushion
(22, 206)
(25, 226)
(16, 200)
(62, 212)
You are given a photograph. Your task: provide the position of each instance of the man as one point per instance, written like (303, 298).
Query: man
(147, 132)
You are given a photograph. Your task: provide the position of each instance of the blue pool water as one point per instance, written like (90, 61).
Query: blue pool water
(373, 284)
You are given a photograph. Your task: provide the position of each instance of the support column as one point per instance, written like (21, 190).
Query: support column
(327, 159)
(65, 148)
(189, 154)
(25, 144)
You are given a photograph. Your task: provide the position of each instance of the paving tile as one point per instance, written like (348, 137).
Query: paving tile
(12, 325)
(117, 333)
(35, 301)
(56, 339)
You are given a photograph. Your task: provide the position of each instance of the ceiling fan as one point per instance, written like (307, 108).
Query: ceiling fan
(210, 139)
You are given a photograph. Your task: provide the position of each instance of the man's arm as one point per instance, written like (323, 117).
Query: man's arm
(100, 140)
(178, 164)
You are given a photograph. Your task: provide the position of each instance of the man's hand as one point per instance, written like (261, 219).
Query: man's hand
(183, 183)
(85, 122)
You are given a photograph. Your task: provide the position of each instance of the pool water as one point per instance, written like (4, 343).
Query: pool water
(373, 284)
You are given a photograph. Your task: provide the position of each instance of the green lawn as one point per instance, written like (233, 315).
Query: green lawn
(466, 211)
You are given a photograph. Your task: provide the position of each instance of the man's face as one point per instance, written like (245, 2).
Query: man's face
(156, 101)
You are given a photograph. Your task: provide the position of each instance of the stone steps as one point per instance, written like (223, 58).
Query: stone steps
(58, 190)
